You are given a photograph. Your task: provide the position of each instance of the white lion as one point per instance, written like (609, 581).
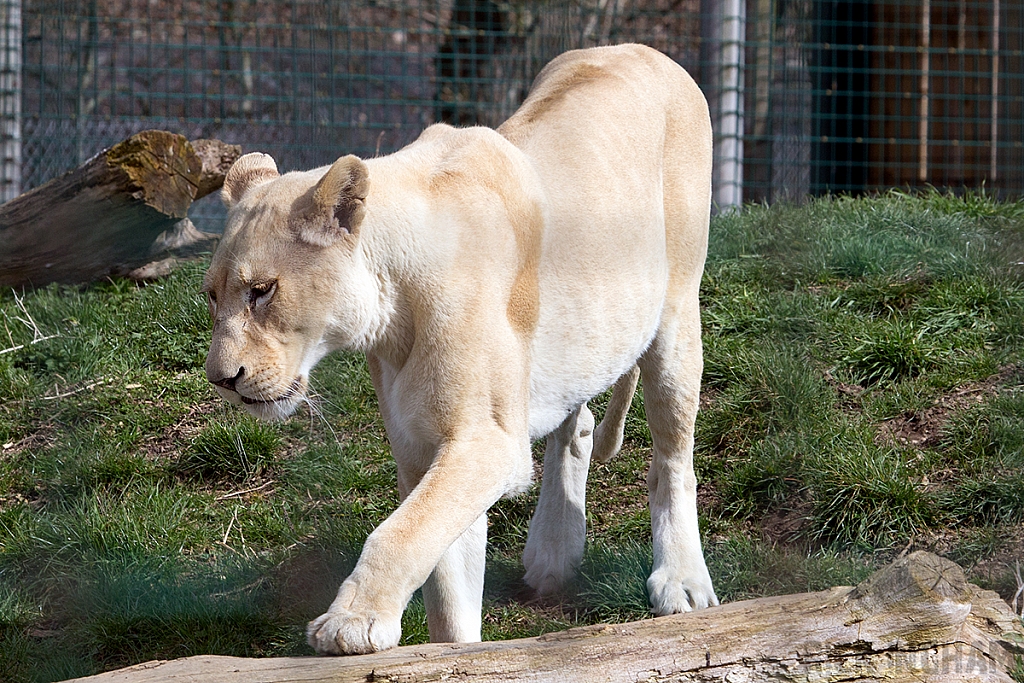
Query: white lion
(497, 281)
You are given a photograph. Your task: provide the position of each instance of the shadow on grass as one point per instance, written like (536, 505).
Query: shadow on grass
(120, 611)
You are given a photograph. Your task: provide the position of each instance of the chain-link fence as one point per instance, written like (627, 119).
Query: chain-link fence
(808, 96)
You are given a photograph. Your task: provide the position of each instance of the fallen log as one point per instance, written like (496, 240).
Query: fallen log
(103, 217)
(915, 620)
(216, 158)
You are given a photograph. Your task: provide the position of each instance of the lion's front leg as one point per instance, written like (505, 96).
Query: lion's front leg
(342, 631)
(453, 595)
(465, 479)
(558, 530)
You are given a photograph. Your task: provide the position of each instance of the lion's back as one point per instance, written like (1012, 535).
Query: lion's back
(620, 138)
(582, 92)
(611, 132)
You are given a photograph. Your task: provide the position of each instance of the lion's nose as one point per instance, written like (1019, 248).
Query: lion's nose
(229, 382)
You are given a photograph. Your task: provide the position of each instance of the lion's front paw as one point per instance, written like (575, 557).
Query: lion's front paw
(353, 633)
(673, 595)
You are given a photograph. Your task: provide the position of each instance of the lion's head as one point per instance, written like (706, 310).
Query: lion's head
(288, 282)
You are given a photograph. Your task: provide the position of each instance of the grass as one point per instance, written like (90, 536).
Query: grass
(240, 451)
(863, 394)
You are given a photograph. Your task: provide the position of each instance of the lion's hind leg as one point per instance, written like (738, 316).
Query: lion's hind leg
(608, 435)
(558, 530)
(671, 369)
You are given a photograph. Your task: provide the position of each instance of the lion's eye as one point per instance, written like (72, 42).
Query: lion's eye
(260, 294)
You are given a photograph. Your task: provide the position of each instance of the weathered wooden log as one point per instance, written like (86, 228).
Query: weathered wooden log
(916, 620)
(216, 158)
(102, 218)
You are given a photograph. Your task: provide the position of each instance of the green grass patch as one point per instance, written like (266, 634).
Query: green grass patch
(238, 451)
(863, 393)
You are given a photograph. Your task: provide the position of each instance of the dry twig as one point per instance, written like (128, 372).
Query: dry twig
(28, 321)
(72, 392)
(1020, 589)
(235, 494)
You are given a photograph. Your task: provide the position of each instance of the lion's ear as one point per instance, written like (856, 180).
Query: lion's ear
(248, 171)
(339, 200)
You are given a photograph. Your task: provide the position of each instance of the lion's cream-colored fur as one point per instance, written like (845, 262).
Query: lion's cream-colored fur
(497, 281)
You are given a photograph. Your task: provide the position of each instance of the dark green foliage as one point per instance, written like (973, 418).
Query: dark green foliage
(130, 610)
(746, 568)
(772, 473)
(987, 500)
(992, 432)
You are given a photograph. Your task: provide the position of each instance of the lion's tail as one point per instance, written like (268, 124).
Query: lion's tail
(608, 435)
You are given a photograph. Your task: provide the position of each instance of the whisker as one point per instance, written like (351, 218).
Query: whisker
(314, 401)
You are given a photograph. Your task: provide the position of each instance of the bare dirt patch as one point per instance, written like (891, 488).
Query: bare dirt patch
(43, 437)
(169, 443)
(785, 526)
(924, 428)
(849, 394)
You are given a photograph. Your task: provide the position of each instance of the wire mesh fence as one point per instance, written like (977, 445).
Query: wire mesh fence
(807, 96)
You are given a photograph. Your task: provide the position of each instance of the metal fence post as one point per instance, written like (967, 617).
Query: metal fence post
(724, 25)
(10, 99)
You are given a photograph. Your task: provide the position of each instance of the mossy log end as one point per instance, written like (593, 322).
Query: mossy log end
(102, 218)
(915, 620)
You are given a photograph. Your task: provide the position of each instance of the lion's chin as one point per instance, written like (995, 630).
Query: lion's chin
(273, 411)
(270, 410)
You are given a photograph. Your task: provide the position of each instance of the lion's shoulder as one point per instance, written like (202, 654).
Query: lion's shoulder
(453, 164)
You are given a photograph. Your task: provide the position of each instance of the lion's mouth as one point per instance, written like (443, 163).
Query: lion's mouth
(294, 389)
